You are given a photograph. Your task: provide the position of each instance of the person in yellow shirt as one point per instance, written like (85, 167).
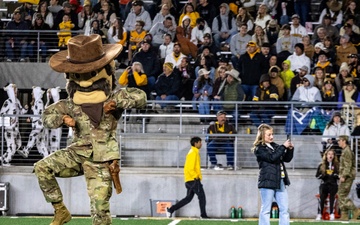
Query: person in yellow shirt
(192, 177)
(136, 36)
(134, 76)
(65, 31)
(189, 10)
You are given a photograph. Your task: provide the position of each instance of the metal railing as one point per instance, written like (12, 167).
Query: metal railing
(163, 139)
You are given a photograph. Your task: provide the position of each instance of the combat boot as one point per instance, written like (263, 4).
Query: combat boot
(344, 217)
(61, 214)
(356, 214)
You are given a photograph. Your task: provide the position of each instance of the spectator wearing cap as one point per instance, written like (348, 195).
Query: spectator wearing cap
(317, 48)
(67, 10)
(344, 72)
(150, 61)
(206, 52)
(297, 81)
(85, 17)
(285, 44)
(354, 67)
(26, 11)
(221, 126)
(224, 26)
(43, 10)
(198, 32)
(324, 63)
(259, 36)
(203, 90)
(238, 44)
(183, 36)
(265, 92)
(330, 30)
(265, 50)
(208, 43)
(189, 10)
(298, 58)
(16, 41)
(297, 30)
(251, 65)
(138, 12)
(167, 86)
(262, 16)
(307, 92)
(232, 91)
(354, 37)
(275, 79)
(349, 94)
(308, 47)
(350, 22)
(207, 11)
(272, 32)
(176, 56)
(333, 10)
(223, 61)
(344, 49)
(159, 29)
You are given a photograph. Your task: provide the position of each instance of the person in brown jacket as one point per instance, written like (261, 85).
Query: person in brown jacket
(275, 79)
(183, 36)
(344, 49)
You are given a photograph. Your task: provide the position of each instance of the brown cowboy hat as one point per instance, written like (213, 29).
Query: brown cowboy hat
(84, 54)
(334, 5)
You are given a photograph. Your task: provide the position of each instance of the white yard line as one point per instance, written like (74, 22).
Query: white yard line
(174, 222)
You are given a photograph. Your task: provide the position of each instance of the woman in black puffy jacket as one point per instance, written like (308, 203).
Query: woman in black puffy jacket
(272, 176)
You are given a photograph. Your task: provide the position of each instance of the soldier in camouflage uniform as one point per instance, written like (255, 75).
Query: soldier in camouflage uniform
(92, 111)
(347, 175)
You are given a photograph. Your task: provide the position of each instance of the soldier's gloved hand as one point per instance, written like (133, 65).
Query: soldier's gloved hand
(68, 121)
(109, 106)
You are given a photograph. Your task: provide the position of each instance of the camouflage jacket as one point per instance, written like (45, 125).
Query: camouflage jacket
(347, 164)
(100, 142)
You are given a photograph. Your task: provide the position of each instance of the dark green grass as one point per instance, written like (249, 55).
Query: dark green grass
(152, 221)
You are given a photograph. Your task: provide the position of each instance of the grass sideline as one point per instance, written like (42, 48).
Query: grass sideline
(7, 220)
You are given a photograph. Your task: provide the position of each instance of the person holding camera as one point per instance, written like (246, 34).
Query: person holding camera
(273, 177)
(134, 76)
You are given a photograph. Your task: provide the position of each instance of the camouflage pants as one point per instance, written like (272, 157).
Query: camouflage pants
(345, 203)
(66, 163)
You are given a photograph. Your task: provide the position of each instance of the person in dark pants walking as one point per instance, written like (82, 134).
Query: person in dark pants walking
(193, 177)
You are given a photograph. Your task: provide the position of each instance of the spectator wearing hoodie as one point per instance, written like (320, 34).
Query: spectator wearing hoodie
(297, 81)
(298, 58)
(138, 12)
(189, 10)
(275, 79)
(160, 29)
(264, 93)
(287, 75)
(183, 36)
(224, 26)
(307, 92)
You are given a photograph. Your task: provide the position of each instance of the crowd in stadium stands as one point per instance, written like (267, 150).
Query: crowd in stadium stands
(185, 50)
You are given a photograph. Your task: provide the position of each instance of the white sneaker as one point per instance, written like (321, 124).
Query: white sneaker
(168, 213)
(318, 217)
(332, 216)
(8, 60)
(22, 60)
(218, 167)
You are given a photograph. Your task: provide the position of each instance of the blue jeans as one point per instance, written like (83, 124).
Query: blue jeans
(302, 9)
(151, 83)
(10, 51)
(250, 91)
(261, 116)
(167, 98)
(228, 146)
(281, 197)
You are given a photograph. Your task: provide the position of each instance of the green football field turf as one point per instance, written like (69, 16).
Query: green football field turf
(158, 221)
